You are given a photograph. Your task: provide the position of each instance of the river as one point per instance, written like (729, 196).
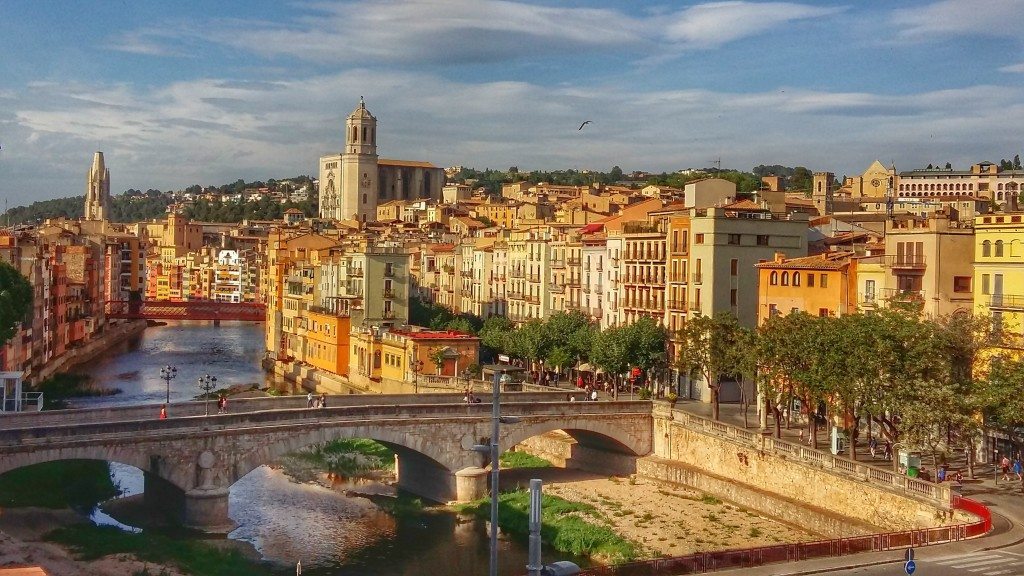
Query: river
(331, 533)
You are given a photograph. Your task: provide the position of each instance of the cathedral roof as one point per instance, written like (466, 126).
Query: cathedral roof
(361, 112)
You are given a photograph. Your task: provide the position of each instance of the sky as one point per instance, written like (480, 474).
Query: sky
(210, 91)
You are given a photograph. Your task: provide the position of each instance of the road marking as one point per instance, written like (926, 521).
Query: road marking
(1008, 552)
(958, 558)
(980, 563)
(997, 572)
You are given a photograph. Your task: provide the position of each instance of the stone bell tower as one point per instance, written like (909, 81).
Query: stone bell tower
(97, 190)
(359, 178)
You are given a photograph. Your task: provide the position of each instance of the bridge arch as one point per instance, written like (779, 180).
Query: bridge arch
(597, 434)
(120, 455)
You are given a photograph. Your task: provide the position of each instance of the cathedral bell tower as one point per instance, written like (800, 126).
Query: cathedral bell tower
(359, 185)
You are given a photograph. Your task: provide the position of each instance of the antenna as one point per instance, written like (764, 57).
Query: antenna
(717, 162)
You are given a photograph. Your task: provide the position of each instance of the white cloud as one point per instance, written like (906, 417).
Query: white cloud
(936, 21)
(1013, 68)
(717, 23)
(215, 131)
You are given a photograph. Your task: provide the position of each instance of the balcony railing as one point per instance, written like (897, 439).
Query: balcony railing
(388, 314)
(896, 295)
(515, 295)
(695, 307)
(556, 288)
(389, 293)
(868, 300)
(586, 288)
(696, 278)
(573, 261)
(517, 273)
(467, 273)
(533, 299)
(1006, 302)
(533, 278)
(448, 269)
(905, 261)
(676, 304)
(356, 272)
(558, 263)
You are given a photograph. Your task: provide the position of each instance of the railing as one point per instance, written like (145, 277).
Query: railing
(1006, 302)
(30, 402)
(895, 295)
(355, 272)
(533, 278)
(558, 288)
(517, 273)
(573, 261)
(938, 493)
(696, 277)
(868, 300)
(700, 562)
(677, 304)
(558, 263)
(904, 261)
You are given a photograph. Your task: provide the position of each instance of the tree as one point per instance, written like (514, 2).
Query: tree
(646, 343)
(495, 334)
(15, 300)
(616, 174)
(436, 356)
(708, 351)
(949, 166)
(610, 352)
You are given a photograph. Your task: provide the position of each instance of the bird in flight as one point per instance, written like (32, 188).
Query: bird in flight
(582, 125)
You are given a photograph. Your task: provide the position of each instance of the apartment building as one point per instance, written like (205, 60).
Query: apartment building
(820, 285)
(930, 263)
(998, 285)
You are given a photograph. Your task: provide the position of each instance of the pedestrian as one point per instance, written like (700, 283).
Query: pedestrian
(888, 450)
(309, 400)
(163, 412)
(468, 398)
(1018, 469)
(579, 381)
(1004, 465)
(593, 395)
(872, 445)
(323, 400)
(222, 405)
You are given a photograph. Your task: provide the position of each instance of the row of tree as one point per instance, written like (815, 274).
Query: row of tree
(265, 208)
(922, 383)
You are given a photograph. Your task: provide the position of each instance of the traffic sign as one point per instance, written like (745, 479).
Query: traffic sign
(909, 554)
(910, 566)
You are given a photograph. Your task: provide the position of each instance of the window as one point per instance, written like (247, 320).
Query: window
(823, 312)
(796, 278)
(999, 248)
(997, 322)
(762, 239)
(773, 310)
(734, 267)
(774, 278)
(733, 297)
(985, 284)
(869, 290)
(961, 284)
(810, 280)
(734, 239)
(824, 281)
(698, 238)
(785, 278)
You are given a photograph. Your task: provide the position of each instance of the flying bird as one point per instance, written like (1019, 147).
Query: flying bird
(582, 125)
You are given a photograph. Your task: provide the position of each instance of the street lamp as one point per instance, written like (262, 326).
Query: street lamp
(500, 379)
(207, 384)
(168, 373)
(417, 366)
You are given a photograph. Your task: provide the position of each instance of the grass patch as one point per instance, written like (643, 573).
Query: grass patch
(350, 456)
(59, 484)
(58, 388)
(709, 499)
(90, 542)
(567, 526)
(755, 532)
(522, 460)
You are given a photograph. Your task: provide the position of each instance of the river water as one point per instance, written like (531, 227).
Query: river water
(332, 534)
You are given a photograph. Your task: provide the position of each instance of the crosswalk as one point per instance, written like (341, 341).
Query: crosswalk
(990, 563)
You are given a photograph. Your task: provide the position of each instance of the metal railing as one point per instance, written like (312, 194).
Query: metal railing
(700, 562)
(1006, 302)
(904, 261)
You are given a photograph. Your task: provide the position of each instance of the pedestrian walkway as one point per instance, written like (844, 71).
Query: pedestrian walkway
(986, 563)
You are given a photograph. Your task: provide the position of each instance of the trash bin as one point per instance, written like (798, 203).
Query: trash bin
(912, 471)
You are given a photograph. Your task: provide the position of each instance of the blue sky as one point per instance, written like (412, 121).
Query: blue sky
(186, 92)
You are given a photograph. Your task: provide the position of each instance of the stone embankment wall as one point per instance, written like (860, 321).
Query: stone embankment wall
(111, 336)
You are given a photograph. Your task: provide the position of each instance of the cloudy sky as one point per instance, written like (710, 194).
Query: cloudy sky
(208, 91)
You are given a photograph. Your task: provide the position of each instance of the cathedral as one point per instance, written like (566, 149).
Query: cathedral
(97, 190)
(354, 182)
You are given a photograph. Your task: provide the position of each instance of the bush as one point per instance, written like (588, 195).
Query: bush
(644, 394)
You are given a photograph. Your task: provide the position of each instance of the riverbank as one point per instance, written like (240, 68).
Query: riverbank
(111, 336)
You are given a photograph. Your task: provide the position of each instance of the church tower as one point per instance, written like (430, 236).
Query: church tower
(97, 190)
(359, 187)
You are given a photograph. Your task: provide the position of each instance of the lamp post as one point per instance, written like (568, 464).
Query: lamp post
(417, 366)
(500, 379)
(207, 383)
(168, 373)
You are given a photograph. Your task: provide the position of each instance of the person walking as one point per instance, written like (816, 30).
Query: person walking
(163, 412)
(593, 395)
(323, 400)
(309, 400)
(1004, 465)
(222, 405)
(888, 450)
(1018, 469)
(872, 446)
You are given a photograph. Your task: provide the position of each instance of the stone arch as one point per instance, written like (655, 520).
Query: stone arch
(135, 457)
(602, 434)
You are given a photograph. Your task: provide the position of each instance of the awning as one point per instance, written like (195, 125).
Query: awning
(592, 228)
(585, 367)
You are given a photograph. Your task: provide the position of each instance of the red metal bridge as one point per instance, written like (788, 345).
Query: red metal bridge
(193, 310)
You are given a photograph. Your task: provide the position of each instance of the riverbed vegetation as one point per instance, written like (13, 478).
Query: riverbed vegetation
(519, 459)
(572, 527)
(57, 389)
(59, 484)
(90, 542)
(345, 456)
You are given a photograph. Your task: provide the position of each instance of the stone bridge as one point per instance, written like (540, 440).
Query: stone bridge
(190, 460)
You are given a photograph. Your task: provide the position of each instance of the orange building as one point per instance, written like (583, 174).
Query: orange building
(327, 340)
(821, 285)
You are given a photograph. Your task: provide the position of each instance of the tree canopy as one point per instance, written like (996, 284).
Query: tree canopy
(15, 300)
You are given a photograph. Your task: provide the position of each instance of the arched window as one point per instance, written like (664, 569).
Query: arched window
(986, 248)
(999, 195)
(1000, 186)
(774, 278)
(796, 278)
(355, 134)
(785, 278)
(999, 248)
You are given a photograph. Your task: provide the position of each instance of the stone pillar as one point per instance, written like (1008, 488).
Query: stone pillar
(162, 497)
(207, 510)
(470, 484)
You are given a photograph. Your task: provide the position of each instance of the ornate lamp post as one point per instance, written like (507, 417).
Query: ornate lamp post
(417, 366)
(207, 384)
(168, 373)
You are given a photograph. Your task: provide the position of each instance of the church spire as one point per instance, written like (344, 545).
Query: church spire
(97, 190)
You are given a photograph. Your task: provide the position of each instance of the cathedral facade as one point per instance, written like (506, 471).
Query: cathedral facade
(354, 182)
(97, 190)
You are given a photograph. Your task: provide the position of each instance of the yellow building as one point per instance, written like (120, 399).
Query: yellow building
(999, 269)
(327, 340)
(820, 285)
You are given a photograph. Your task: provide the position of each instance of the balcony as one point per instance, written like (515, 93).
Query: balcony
(388, 293)
(1006, 302)
(533, 299)
(467, 274)
(894, 295)
(533, 278)
(515, 295)
(676, 304)
(517, 273)
(695, 307)
(448, 269)
(573, 283)
(355, 272)
(905, 261)
(573, 261)
(868, 300)
(558, 263)
(586, 288)
(556, 288)
(696, 278)
(388, 314)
